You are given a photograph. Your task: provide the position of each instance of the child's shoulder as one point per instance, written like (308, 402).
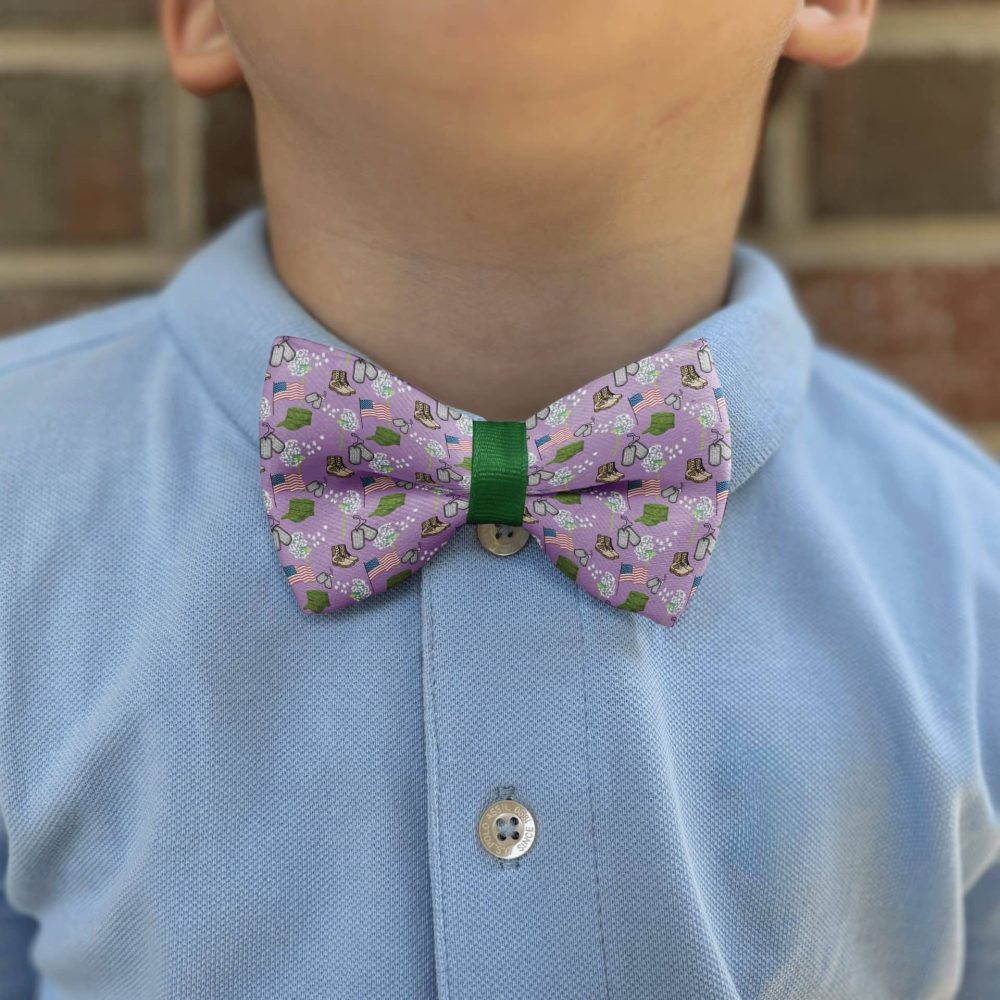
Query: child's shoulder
(89, 340)
(73, 390)
(892, 431)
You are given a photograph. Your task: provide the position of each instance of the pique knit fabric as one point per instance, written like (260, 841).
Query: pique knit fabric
(205, 793)
(351, 520)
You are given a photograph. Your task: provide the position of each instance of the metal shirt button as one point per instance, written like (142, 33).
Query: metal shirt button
(501, 539)
(507, 828)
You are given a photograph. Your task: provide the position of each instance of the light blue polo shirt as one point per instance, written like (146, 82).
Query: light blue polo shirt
(205, 793)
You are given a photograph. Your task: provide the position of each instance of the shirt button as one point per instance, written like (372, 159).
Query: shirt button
(501, 539)
(507, 828)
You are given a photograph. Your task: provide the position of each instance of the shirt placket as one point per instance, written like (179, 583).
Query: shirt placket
(507, 717)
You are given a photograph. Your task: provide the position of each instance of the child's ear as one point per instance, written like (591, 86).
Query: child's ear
(830, 33)
(201, 56)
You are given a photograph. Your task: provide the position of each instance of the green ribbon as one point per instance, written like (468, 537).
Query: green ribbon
(499, 483)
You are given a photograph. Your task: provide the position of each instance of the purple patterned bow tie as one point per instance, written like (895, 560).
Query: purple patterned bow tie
(623, 483)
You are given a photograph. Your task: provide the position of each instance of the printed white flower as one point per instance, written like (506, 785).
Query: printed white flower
(647, 372)
(565, 520)
(558, 414)
(704, 508)
(607, 585)
(464, 423)
(616, 502)
(299, 365)
(299, 547)
(268, 500)
(435, 448)
(707, 415)
(675, 601)
(383, 385)
(380, 462)
(360, 590)
(351, 503)
(561, 477)
(644, 551)
(654, 460)
(292, 454)
(385, 537)
(265, 408)
(348, 419)
(623, 423)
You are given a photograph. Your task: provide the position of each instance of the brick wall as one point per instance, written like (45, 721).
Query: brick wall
(878, 186)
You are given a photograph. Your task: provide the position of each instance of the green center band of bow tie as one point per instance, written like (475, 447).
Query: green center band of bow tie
(499, 472)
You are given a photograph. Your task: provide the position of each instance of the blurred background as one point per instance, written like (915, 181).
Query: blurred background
(878, 186)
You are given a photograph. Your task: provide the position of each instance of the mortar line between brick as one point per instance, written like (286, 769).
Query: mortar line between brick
(187, 115)
(86, 266)
(785, 163)
(957, 29)
(102, 53)
(875, 242)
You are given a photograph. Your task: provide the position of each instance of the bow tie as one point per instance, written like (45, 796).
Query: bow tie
(622, 483)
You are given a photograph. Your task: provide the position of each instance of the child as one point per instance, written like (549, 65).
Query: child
(292, 709)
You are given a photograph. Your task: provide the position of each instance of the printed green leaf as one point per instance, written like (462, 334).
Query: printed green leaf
(383, 436)
(317, 600)
(567, 566)
(653, 513)
(567, 498)
(466, 462)
(660, 422)
(634, 602)
(398, 578)
(300, 509)
(388, 504)
(566, 452)
(296, 417)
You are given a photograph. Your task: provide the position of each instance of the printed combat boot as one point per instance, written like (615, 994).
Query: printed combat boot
(339, 556)
(432, 526)
(605, 547)
(607, 473)
(680, 565)
(339, 383)
(423, 477)
(422, 414)
(528, 518)
(335, 466)
(696, 472)
(691, 379)
(604, 398)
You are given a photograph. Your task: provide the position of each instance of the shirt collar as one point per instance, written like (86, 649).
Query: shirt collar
(227, 304)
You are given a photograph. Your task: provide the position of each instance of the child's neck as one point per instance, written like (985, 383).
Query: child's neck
(499, 285)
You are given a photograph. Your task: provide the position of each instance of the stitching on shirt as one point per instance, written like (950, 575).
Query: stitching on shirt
(590, 788)
(199, 376)
(429, 590)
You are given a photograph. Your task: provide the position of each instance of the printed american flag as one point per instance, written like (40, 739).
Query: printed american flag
(650, 397)
(372, 484)
(458, 445)
(300, 574)
(721, 491)
(382, 563)
(556, 437)
(720, 402)
(289, 390)
(282, 481)
(558, 538)
(380, 411)
(632, 574)
(643, 488)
